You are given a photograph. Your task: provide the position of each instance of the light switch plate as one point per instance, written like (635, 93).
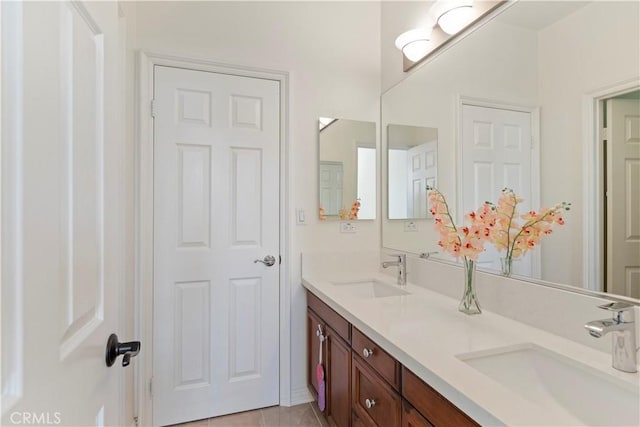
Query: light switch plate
(301, 218)
(347, 227)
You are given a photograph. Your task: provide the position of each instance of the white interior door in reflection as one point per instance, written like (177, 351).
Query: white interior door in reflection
(623, 201)
(331, 177)
(496, 145)
(421, 172)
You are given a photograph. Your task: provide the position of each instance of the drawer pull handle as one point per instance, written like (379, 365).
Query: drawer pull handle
(370, 403)
(366, 352)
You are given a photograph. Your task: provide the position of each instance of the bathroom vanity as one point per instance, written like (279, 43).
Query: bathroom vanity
(364, 384)
(406, 356)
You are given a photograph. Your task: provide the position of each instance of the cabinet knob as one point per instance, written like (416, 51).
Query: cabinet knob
(366, 352)
(370, 403)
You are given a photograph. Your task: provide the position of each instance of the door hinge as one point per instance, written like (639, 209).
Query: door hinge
(153, 108)
(279, 259)
(136, 421)
(151, 386)
(605, 133)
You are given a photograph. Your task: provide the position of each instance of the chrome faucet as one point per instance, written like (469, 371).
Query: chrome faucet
(623, 330)
(402, 268)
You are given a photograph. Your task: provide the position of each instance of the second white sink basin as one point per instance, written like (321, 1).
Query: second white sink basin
(370, 289)
(553, 380)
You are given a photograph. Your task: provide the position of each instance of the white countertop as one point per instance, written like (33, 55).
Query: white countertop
(425, 332)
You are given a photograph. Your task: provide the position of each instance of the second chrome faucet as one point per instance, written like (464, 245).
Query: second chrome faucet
(622, 327)
(401, 263)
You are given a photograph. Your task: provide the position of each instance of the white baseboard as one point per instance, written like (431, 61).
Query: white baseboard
(299, 396)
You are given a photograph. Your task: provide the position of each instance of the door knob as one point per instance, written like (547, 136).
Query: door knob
(125, 349)
(268, 260)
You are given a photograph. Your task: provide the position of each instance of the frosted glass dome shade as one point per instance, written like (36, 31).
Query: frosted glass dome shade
(455, 19)
(414, 44)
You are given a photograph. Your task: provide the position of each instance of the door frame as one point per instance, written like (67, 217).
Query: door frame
(462, 100)
(592, 157)
(147, 60)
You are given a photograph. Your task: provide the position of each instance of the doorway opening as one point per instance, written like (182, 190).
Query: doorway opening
(620, 178)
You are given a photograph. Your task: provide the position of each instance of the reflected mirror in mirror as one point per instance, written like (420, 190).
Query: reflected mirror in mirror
(412, 160)
(558, 71)
(347, 169)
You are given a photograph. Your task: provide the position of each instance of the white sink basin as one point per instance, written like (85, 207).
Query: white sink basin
(555, 381)
(370, 289)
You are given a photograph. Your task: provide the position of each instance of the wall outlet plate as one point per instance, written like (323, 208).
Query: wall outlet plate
(347, 227)
(410, 226)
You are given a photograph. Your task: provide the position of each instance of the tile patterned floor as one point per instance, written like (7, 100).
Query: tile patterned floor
(305, 415)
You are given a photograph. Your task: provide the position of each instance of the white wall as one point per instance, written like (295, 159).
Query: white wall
(332, 52)
(577, 56)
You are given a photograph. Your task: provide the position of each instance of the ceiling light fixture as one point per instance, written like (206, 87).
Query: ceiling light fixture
(452, 15)
(414, 44)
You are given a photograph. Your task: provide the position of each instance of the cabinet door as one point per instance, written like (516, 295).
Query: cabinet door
(412, 418)
(338, 380)
(373, 400)
(313, 346)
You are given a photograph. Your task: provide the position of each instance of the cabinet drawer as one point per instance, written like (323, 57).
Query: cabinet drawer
(378, 359)
(435, 408)
(412, 418)
(330, 317)
(374, 402)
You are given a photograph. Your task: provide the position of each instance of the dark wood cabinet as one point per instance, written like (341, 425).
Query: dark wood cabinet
(369, 388)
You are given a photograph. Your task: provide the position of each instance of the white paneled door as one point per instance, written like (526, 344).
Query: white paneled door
(623, 201)
(496, 153)
(422, 172)
(216, 222)
(62, 202)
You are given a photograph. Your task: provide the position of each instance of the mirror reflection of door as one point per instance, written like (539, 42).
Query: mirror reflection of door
(421, 167)
(412, 166)
(331, 174)
(622, 218)
(496, 153)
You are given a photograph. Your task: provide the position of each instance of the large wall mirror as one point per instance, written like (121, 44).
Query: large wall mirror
(347, 169)
(521, 103)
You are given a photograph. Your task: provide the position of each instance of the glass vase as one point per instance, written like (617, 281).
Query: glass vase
(469, 303)
(506, 264)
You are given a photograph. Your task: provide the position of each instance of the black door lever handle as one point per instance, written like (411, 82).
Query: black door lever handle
(125, 349)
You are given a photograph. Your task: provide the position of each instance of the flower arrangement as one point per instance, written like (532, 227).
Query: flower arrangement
(353, 213)
(516, 238)
(466, 241)
(323, 216)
